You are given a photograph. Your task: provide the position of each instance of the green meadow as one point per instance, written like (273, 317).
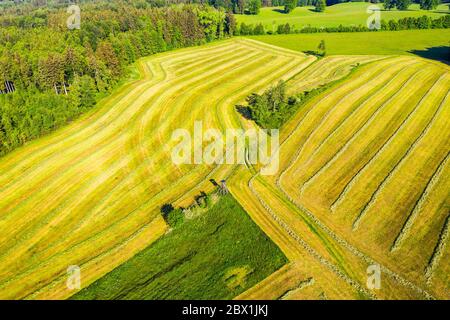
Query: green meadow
(216, 255)
(350, 13)
(432, 44)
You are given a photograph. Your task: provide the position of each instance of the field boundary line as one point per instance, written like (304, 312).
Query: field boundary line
(296, 155)
(347, 119)
(305, 245)
(358, 133)
(356, 106)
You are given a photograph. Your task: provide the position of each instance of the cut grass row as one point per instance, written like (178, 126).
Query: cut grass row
(386, 132)
(78, 195)
(94, 189)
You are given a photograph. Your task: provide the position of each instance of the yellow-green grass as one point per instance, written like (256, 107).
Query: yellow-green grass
(80, 195)
(427, 43)
(327, 70)
(295, 282)
(367, 157)
(336, 271)
(90, 194)
(347, 14)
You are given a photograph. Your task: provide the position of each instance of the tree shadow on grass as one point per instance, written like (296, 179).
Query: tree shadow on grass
(441, 53)
(245, 112)
(278, 10)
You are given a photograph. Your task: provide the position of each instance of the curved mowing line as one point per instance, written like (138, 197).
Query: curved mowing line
(374, 196)
(143, 151)
(14, 170)
(356, 135)
(347, 120)
(63, 277)
(350, 183)
(223, 100)
(49, 146)
(55, 211)
(356, 106)
(98, 124)
(238, 120)
(110, 136)
(305, 245)
(418, 206)
(404, 282)
(331, 247)
(300, 125)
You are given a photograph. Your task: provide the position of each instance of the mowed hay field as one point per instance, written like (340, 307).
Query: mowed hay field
(349, 13)
(238, 255)
(363, 178)
(372, 164)
(90, 194)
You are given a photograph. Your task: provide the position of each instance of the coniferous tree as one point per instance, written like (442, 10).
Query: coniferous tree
(289, 5)
(322, 47)
(403, 4)
(429, 4)
(254, 6)
(389, 4)
(320, 5)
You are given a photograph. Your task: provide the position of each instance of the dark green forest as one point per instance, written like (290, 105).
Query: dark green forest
(59, 73)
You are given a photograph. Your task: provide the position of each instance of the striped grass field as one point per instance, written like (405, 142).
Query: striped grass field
(363, 179)
(369, 161)
(90, 194)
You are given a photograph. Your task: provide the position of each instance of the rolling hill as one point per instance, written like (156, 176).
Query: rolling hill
(363, 179)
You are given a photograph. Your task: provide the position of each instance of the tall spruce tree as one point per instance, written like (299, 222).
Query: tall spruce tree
(429, 4)
(289, 5)
(320, 5)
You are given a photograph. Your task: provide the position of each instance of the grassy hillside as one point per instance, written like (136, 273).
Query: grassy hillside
(371, 166)
(90, 193)
(216, 255)
(364, 168)
(432, 44)
(363, 179)
(350, 13)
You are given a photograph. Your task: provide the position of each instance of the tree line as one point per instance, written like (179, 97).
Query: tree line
(409, 23)
(59, 73)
